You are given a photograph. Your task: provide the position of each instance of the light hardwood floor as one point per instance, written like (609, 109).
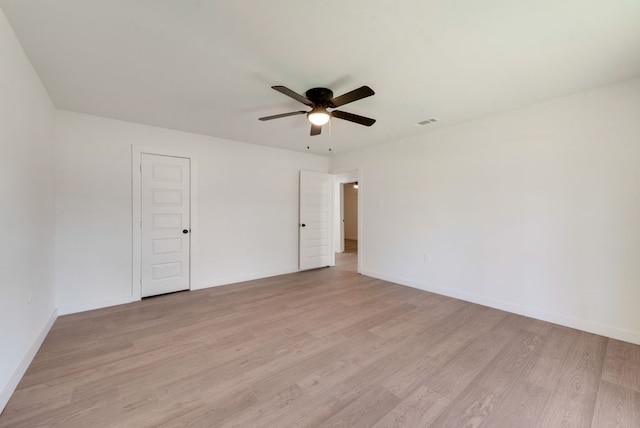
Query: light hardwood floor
(322, 348)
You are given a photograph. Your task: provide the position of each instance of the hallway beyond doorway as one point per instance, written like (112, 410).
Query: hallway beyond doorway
(350, 246)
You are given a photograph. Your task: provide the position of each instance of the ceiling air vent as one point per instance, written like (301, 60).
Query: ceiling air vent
(426, 122)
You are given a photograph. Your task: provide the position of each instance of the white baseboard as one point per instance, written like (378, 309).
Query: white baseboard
(242, 278)
(15, 378)
(567, 321)
(97, 304)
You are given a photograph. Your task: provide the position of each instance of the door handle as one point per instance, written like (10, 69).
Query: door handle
(185, 231)
(303, 225)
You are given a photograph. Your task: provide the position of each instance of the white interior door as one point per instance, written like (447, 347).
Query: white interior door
(315, 220)
(166, 200)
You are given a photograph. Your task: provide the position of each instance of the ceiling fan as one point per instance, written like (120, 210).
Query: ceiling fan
(320, 99)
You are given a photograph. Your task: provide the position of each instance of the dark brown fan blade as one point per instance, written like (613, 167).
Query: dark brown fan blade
(315, 129)
(296, 96)
(349, 97)
(366, 121)
(278, 116)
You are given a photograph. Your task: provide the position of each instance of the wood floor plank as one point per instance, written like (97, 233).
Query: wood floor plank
(208, 415)
(327, 347)
(253, 416)
(365, 410)
(320, 377)
(408, 378)
(460, 371)
(573, 401)
(314, 409)
(279, 374)
(396, 358)
(622, 364)
(482, 397)
(419, 409)
(521, 407)
(616, 407)
(546, 370)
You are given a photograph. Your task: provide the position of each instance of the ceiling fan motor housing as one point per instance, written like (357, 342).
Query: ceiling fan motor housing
(320, 96)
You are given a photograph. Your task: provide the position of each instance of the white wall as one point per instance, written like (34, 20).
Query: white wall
(536, 210)
(350, 212)
(245, 220)
(26, 212)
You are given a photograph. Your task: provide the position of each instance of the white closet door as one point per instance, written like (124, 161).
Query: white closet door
(315, 220)
(166, 199)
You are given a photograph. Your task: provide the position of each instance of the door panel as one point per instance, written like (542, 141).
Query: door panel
(165, 215)
(315, 220)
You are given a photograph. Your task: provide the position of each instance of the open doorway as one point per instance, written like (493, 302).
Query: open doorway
(348, 248)
(350, 217)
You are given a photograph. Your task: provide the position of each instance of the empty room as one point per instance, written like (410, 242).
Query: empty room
(320, 214)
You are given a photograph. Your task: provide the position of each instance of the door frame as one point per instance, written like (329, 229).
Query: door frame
(340, 177)
(136, 212)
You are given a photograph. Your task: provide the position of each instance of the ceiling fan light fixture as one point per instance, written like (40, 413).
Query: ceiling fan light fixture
(318, 116)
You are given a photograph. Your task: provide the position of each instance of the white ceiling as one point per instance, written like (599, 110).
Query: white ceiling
(207, 66)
